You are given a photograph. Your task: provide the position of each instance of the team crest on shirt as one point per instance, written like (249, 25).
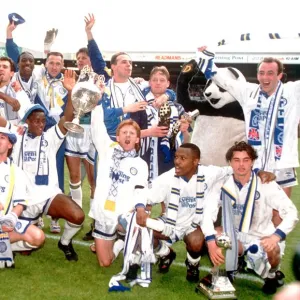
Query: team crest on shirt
(44, 143)
(3, 247)
(283, 101)
(35, 85)
(133, 171)
(130, 91)
(18, 225)
(257, 195)
(62, 90)
(6, 178)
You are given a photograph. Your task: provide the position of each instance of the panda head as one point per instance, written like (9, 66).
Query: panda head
(216, 95)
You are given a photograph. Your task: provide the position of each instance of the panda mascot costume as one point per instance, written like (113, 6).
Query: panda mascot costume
(221, 120)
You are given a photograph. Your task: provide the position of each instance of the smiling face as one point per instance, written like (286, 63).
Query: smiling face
(26, 65)
(36, 122)
(185, 162)
(268, 77)
(127, 137)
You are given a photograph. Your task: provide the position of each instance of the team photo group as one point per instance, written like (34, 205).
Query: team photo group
(162, 167)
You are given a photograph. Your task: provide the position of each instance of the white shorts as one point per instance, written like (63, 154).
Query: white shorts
(33, 212)
(247, 240)
(286, 177)
(81, 145)
(104, 231)
(179, 233)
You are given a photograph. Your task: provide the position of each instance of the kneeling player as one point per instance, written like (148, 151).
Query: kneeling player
(12, 204)
(251, 204)
(35, 152)
(121, 183)
(183, 191)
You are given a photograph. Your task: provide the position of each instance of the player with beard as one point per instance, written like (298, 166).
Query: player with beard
(121, 183)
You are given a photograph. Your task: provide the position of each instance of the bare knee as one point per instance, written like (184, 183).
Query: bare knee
(105, 262)
(194, 241)
(78, 217)
(36, 237)
(274, 257)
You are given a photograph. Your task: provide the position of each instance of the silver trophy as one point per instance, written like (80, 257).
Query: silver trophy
(217, 285)
(85, 96)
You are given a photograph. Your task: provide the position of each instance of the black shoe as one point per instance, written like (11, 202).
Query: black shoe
(166, 261)
(192, 272)
(270, 286)
(242, 265)
(132, 272)
(280, 278)
(231, 275)
(68, 250)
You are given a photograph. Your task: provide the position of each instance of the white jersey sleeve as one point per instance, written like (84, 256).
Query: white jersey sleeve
(278, 200)
(100, 136)
(160, 188)
(20, 192)
(54, 136)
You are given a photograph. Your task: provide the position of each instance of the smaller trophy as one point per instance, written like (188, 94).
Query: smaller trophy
(85, 96)
(217, 285)
(189, 116)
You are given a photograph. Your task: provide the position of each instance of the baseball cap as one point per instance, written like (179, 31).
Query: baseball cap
(30, 109)
(17, 19)
(11, 136)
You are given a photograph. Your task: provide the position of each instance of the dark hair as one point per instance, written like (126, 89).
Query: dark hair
(55, 54)
(11, 62)
(270, 60)
(194, 148)
(241, 146)
(9, 151)
(83, 50)
(161, 69)
(136, 127)
(113, 60)
(25, 52)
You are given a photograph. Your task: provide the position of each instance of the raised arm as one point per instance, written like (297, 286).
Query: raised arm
(98, 63)
(69, 83)
(207, 66)
(12, 48)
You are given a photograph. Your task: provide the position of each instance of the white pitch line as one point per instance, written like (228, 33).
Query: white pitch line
(204, 268)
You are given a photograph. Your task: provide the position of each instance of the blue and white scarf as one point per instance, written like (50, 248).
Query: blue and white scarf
(42, 161)
(117, 156)
(52, 94)
(133, 90)
(138, 249)
(172, 211)
(229, 198)
(30, 87)
(274, 125)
